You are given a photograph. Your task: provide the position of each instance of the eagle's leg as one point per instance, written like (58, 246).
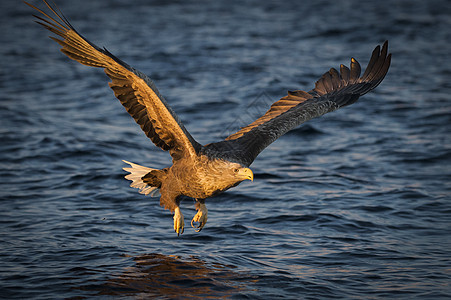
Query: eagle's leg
(179, 223)
(200, 219)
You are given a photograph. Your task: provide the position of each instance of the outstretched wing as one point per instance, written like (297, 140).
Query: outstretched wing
(137, 93)
(332, 91)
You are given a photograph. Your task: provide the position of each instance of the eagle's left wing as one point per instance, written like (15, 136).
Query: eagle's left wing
(332, 91)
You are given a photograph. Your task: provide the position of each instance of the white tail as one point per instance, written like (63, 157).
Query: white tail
(136, 173)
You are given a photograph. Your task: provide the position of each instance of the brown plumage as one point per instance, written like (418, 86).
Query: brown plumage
(202, 171)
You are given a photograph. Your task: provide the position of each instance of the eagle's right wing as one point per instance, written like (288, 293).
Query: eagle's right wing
(137, 93)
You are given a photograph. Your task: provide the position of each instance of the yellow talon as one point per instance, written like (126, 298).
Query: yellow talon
(179, 223)
(201, 217)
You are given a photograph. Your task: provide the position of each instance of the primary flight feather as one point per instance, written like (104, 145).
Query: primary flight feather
(201, 171)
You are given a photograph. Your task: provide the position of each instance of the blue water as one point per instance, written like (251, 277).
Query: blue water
(356, 204)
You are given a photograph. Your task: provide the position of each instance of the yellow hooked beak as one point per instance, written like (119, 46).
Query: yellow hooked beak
(246, 173)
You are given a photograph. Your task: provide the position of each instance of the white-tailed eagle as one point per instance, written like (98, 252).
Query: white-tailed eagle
(201, 171)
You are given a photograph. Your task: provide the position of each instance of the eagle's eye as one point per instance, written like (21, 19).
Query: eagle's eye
(236, 170)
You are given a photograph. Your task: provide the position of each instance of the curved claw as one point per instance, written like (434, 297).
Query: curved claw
(200, 218)
(197, 227)
(179, 221)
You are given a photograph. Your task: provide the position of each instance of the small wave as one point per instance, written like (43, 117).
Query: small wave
(287, 218)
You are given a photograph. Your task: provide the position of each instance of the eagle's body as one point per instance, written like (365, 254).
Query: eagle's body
(198, 178)
(201, 171)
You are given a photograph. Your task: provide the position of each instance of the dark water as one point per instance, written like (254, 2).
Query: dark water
(352, 205)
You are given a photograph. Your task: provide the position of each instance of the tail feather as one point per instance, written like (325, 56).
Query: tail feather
(137, 172)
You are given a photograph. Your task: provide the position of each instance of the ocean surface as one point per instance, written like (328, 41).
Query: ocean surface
(353, 205)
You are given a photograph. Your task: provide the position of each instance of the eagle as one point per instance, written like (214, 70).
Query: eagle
(202, 171)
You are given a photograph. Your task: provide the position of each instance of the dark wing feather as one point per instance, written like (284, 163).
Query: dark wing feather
(136, 91)
(332, 91)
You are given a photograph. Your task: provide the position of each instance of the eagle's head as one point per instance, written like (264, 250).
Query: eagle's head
(230, 173)
(243, 173)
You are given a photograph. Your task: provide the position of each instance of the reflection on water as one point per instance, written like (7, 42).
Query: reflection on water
(173, 276)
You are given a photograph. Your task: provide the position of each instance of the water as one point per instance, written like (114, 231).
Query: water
(353, 205)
